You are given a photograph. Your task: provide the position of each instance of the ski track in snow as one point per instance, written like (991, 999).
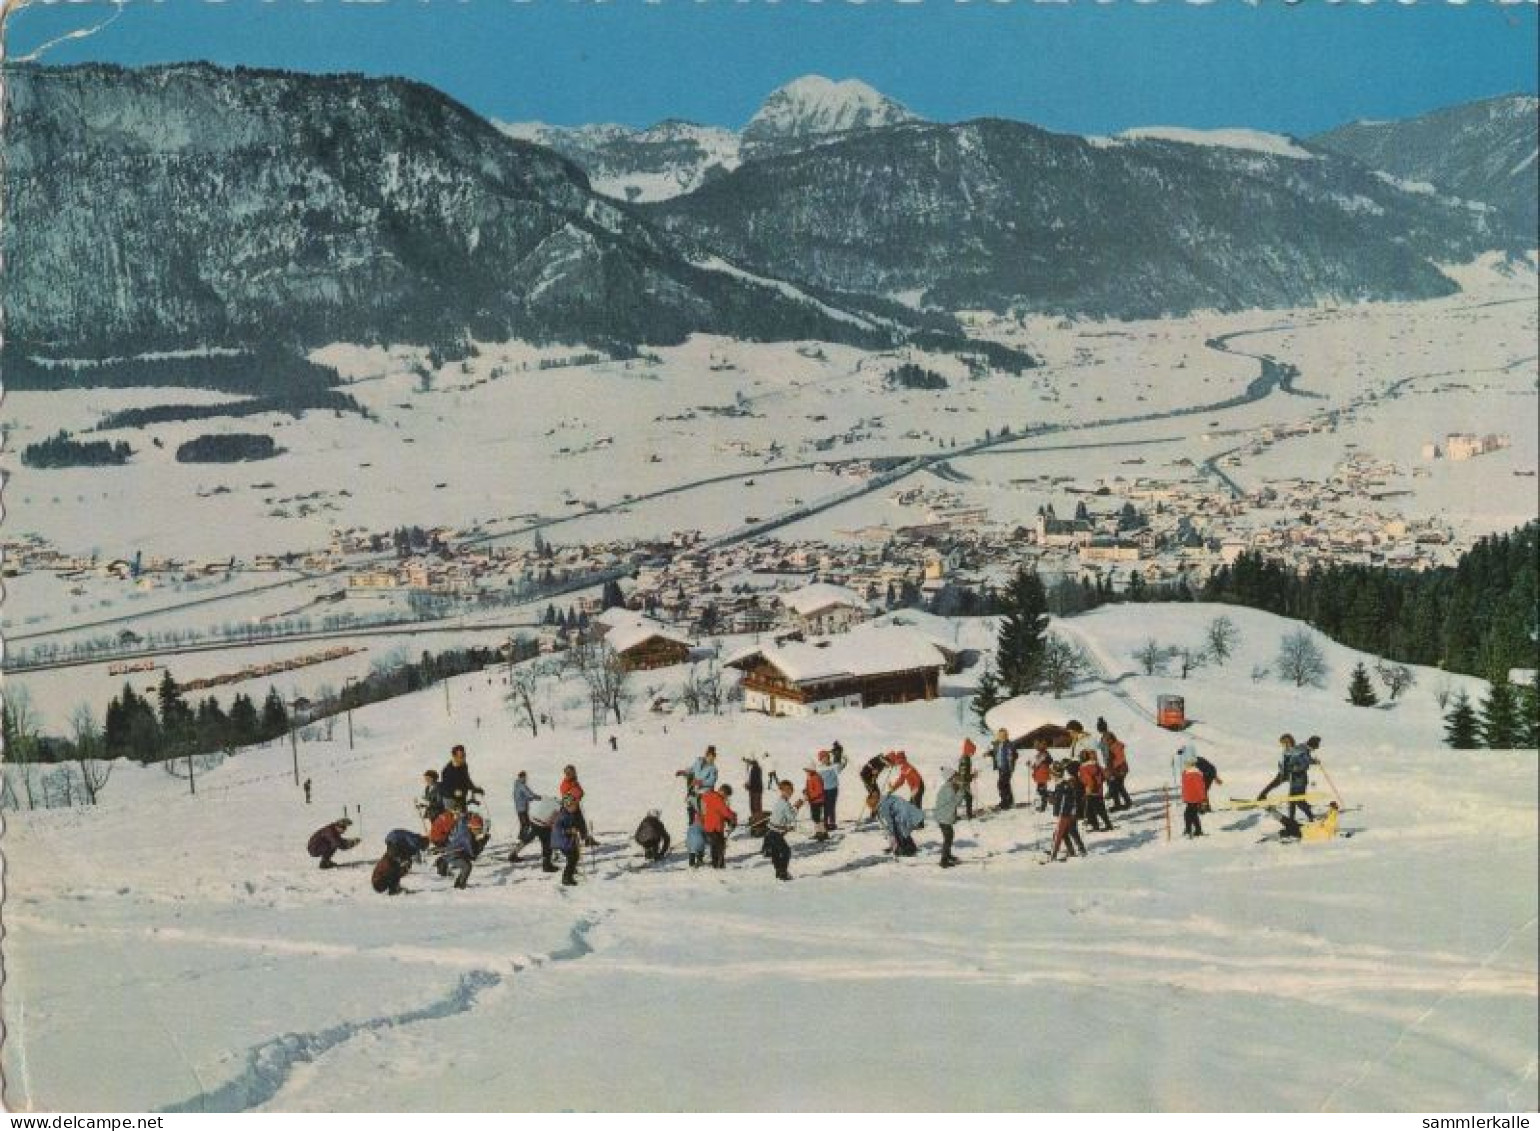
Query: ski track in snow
(270, 1064)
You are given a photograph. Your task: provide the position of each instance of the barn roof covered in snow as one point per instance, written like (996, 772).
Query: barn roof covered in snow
(864, 652)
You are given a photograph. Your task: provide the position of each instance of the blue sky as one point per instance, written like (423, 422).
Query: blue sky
(1079, 66)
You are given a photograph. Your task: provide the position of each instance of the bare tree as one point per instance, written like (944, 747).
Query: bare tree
(1064, 665)
(606, 677)
(1443, 692)
(1259, 672)
(1397, 678)
(703, 690)
(19, 735)
(1300, 660)
(1190, 659)
(523, 685)
(1152, 656)
(1221, 637)
(94, 769)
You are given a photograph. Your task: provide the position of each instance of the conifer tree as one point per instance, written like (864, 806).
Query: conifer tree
(1360, 690)
(986, 698)
(1500, 716)
(1460, 724)
(1019, 650)
(1527, 731)
(275, 717)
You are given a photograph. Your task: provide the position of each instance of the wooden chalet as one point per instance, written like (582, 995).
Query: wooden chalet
(857, 669)
(646, 644)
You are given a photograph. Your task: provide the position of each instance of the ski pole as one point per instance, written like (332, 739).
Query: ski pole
(1337, 793)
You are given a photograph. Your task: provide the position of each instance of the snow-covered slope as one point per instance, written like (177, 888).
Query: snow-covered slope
(171, 951)
(1257, 141)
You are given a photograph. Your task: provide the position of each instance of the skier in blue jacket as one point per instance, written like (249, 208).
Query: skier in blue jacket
(464, 845)
(567, 836)
(900, 818)
(830, 763)
(522, 796)
(1294, 767)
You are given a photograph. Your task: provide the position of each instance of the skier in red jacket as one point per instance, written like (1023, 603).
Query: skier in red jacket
(717, 819)
(906, 775)
(1195, 795)
(1094, 778)
(569, 787)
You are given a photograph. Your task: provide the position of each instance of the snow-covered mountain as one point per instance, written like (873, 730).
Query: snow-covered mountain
(191, 206)
(813, 107)
(1485, 152)
(676, 157)
(1001, 214)
(665, 160)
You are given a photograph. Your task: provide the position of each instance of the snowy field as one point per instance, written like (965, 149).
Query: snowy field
(178, 952)
(497, 436)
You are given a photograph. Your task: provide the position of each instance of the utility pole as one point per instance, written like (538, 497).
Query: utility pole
(347, 702)
(294, 739)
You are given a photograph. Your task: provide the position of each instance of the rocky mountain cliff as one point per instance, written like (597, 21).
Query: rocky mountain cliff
(676, 157)
(1481, 151)
(190, 206)
(1005, 215)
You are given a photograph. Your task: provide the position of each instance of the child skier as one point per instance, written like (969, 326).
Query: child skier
(1115, 759)
(965, 776)
(830, 763)
(1194, 797)
(567, 837)
(402, 848)
(1042, 771)
(783, 818)
(570, 787)
(948, 797)
(1094, 780)
(717, 820)
(542, 815)
(652, 836)
(1065, 802)
(522, 796)
(900, 818)
(328, 840)
(465, 844)
(1003, 755)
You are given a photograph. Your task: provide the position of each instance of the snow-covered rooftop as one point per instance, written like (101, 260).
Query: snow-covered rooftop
(863, 652)
(821, 595)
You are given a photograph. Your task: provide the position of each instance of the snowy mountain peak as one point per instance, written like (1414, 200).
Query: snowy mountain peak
(813, 105)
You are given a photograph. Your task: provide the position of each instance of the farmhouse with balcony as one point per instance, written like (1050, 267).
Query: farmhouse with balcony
(865, 668)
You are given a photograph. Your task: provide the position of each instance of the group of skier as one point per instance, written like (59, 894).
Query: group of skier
(1084, 783)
